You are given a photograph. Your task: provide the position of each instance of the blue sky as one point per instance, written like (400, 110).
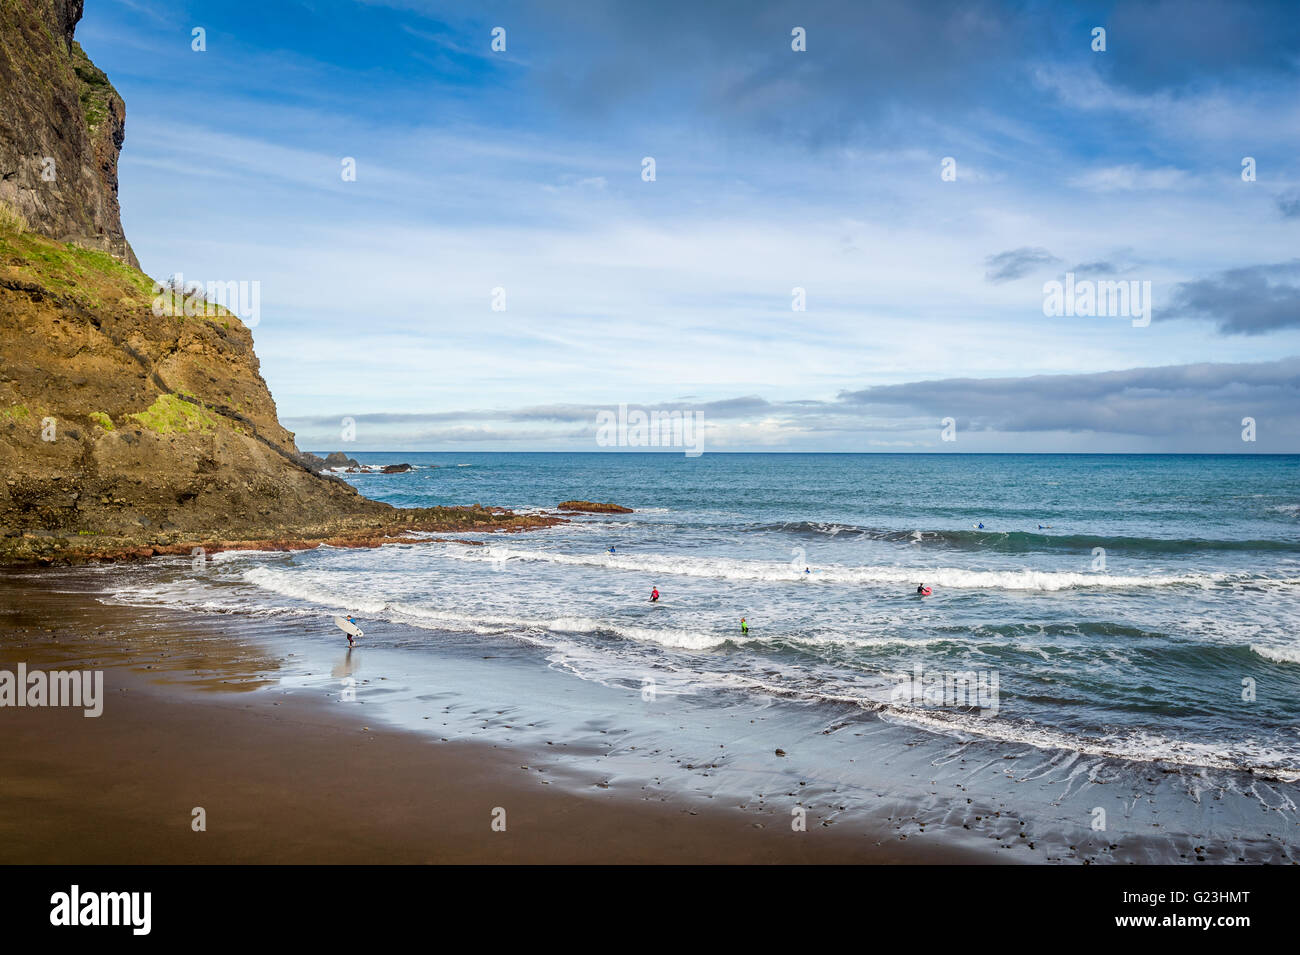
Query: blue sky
(775, 169)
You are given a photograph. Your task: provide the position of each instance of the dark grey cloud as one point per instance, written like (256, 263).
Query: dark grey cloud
(742, 407)
(1246, 301)
(729, 63)
(1115, 262)
(1170, 43)
(486, 435)
(1015, 263)
(1168, 402)
(1288, 203)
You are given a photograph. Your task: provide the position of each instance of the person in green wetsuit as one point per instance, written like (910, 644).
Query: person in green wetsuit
(744, 627)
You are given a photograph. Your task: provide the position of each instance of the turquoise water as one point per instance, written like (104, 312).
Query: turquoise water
(1153, 617)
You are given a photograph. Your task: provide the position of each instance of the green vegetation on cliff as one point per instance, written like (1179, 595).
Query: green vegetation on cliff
(172, 414)
(95, 279)
(11, 220)
(96, 92)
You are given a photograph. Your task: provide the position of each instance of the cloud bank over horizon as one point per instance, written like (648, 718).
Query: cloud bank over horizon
(1190, 408)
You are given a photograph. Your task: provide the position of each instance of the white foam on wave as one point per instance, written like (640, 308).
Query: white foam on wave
(430, 617)
(301, 586)
(427, 616)
(1277, 654)
(192, 596)
(730, 568)
(227, 556)
(590, 526)
(586, 661)
(1245, 755)
(306, 587)
(665, 637)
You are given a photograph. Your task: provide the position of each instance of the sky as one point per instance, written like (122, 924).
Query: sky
(503, 268)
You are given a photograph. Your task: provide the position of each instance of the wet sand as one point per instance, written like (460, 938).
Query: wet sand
(193, 720)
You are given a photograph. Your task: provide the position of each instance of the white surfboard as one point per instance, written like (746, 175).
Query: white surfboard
(348, 628)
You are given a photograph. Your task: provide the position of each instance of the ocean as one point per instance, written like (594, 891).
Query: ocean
(1115, 617)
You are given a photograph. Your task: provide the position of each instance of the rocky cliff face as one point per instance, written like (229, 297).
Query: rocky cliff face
(119, 427)
(124, 431)
(61, 127)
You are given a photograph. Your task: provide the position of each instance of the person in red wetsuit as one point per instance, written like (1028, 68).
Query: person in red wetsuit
(654, 595)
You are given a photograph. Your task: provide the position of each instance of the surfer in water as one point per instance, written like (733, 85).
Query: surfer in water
(654, 595)
(611, 549)
(922, 590)
(744, 627)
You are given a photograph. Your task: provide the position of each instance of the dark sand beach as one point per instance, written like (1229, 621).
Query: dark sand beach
(191, 720)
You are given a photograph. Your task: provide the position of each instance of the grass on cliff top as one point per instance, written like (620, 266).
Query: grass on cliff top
(95, 279)
(11, 220)
(171, 414)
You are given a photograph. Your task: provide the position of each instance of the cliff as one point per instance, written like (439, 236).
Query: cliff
(124, 431)
(61, 127)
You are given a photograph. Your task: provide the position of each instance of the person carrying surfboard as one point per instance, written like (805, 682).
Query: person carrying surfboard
(654, 595)
(349, 626)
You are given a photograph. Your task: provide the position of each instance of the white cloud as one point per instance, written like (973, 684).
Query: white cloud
(1131, 177)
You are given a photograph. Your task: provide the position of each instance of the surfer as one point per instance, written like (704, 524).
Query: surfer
(922, 590)
(611, 548)
(744, 627)
(980, 526)
(654, 595)
(807, 571)
(349, 626)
